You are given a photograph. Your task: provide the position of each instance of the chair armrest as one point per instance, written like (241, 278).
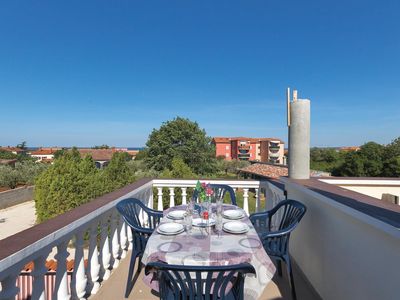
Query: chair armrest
(278, 233)
(259, 215)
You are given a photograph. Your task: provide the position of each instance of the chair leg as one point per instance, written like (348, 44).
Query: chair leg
(290, 275)
(130, 273)
(279, 267)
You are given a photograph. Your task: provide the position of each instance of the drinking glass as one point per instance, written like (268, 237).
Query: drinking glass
(187, 220)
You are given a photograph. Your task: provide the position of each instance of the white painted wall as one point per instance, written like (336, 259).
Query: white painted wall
(344, 253)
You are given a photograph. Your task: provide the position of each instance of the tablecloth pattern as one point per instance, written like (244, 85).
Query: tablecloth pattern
(208, 248)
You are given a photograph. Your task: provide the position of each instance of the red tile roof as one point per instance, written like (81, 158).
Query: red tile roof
(12, 149)
(47, 151)
(98, 154)
(266, 170)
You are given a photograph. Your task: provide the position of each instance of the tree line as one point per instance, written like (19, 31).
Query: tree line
(372, 160)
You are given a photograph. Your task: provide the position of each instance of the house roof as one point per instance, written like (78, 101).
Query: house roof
(266, 170)
(12, 149)
(44, 151)
(97, 154)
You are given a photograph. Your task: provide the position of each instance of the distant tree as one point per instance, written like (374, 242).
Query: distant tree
(392, 150)
(325, 159)
(353, 166)
(372, 156)
(23, 173)
(22, 145)
(59, 153)
(68, 183)
(141, 155)
(9, 177)
(117, 173)
(104, 146)
(180, 138)
(7, 155)
(179, 170)
(391, 167)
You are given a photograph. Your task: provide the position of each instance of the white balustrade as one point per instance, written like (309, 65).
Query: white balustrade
(94, 265)
(61, 289)
(184, 194)
(123, 237)
(257, 191)
(114, 239)
(78, 283)
(38, 277)
(246, 200)
(105, 249)
(171, 197)
(160, 200)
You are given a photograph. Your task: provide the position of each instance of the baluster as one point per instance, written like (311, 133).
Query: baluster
(94, 265)
(61, 287)
(171, 197)
(184, 195)
(115, 242)
(78, 282)
(150, 202)
(257, 200)
(246, 200)
(130, 236)
(9, 290)
(160, 200)
(123, 237)
(38, 274)
(105, 249)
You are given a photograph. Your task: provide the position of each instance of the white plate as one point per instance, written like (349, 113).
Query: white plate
(176, 214)
(233, 214)
(170, 228)
(199, 222)
(235, 227)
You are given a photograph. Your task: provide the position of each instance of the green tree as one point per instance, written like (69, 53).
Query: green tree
(391, 167)
(180, 138)
(117, 173)
(22, 145)
(68, 183)
(104, 146)
(7, 155)
(372, 156)
(179, 170)
(9, 177)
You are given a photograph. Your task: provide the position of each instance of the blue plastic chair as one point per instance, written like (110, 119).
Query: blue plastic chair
(274, 228)
(200, 282)
(219, 191)
(131, 209)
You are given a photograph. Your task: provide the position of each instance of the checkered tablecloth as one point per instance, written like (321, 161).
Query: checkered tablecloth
(207, 248)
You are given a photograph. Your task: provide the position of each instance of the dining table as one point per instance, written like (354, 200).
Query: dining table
(207, 247)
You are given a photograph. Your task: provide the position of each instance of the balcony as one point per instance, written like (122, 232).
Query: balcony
(346, 246)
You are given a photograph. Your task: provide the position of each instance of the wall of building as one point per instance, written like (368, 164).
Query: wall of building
(16, 196)
(344, 253)
(223, 149)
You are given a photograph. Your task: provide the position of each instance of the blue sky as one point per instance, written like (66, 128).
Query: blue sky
(107, 72)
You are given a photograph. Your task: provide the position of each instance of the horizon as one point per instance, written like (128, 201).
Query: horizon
(109, 73)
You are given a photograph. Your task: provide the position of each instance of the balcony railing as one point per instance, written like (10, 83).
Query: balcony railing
(95, 232)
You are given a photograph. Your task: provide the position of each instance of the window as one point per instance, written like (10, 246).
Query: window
(227, 147)
(227, 155)
(250, 154)
(250, 147)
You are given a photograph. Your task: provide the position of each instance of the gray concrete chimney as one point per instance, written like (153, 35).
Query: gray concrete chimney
(299, 138)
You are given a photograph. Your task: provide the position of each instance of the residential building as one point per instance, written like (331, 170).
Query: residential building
(44, 154)
(256, 149)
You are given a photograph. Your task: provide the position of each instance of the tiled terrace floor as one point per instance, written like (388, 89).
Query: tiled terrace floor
(278, 289)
